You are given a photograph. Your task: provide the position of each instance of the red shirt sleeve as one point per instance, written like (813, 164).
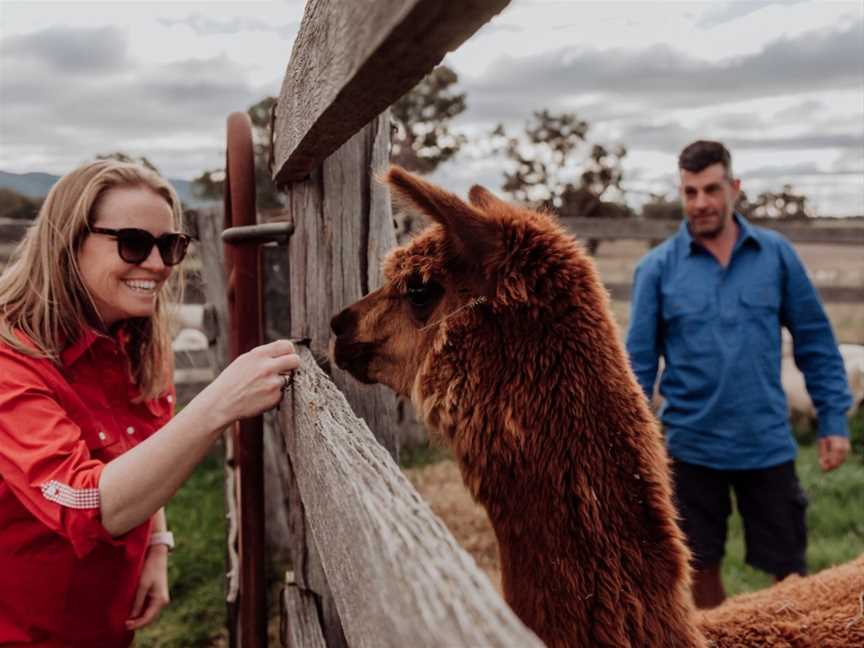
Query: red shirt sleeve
(45, 460)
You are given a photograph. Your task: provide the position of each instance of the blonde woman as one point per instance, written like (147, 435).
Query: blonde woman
(90, 451)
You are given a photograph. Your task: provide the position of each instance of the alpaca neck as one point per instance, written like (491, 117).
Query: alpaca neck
(579, 498)
(575, 579)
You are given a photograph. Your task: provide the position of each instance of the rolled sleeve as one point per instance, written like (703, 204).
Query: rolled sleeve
(815, 348)
(46, 464)
(643, 345)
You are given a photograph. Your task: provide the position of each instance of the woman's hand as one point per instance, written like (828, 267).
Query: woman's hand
(152, 594)
(252, 383)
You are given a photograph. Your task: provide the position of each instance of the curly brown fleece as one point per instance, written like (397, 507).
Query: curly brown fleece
(821, 611)
(533, 392)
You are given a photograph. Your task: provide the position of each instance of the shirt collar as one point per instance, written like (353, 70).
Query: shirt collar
(746, 233)
(88, 338)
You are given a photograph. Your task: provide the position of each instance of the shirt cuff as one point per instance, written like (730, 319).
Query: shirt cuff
(833, 424)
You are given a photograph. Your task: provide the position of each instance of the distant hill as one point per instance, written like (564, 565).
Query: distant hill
(37, 185)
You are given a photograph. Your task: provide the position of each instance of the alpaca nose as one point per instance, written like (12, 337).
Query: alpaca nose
(343, 323)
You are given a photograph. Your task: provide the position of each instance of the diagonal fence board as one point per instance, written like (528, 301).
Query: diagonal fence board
(397, 575)
(351, 60)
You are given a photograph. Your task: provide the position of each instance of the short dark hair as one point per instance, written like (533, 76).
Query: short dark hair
(701, 154)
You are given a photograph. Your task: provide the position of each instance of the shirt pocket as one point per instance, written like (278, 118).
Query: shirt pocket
(688, 322)
(100, 440)
(760, 299)
(760, 312)
(161, 409)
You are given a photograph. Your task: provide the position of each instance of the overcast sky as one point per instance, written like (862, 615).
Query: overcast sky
(782, 83)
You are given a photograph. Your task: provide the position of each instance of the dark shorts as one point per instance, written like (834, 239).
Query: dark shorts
(772, 506)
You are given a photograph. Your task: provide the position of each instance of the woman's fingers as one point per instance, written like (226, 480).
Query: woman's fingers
(140, 595)
(287, 363)
(275, 349)
(150, 614)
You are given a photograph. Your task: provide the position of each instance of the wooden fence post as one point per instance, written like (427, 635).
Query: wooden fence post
(342, 228)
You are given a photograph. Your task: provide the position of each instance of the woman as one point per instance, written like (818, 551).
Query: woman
(89, 451)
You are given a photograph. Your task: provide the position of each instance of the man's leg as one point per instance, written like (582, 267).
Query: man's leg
(702, 497)
(773, 507)
(708, 591)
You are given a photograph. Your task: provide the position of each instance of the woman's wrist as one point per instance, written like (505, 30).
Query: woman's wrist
(161, 539)
(208, 415)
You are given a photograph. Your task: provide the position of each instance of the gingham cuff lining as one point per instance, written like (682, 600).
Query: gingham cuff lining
(65, 495)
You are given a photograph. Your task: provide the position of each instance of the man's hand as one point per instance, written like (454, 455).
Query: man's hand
(832, 452)
(152, 594)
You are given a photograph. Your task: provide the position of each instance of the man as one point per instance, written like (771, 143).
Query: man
(711, 301)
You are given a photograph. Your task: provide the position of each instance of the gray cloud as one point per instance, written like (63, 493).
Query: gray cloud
(738, 121)
(667, 137)
(728, 11)
(799, 142)
(50, 114)
(159, 100)
(801, 169)
(69, 51)
(207, 26)
(817, 60)
(805, 109)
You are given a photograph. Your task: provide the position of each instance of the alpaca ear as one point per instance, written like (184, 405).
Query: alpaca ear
(482, 198)
(473, 235)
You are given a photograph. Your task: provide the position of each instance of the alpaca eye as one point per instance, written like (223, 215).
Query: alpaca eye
(421, 295)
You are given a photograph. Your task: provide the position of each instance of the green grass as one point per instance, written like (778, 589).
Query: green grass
(423, 455)
(834, 522)
(196, 569)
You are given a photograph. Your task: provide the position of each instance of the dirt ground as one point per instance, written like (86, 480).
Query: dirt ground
(440, 484)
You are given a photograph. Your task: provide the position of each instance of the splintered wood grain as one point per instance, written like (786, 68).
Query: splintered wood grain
(300, 625)
(351, 60)
(342, 224)
(396, 573)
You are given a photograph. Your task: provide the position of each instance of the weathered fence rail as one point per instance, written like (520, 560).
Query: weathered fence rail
(817, 230)
(397, 576)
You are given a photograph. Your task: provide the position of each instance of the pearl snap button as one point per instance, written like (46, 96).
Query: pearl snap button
(130, 430)
(102, 436)
(169, 398)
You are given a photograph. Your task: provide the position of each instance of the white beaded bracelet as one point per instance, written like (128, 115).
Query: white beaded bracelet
(162, 537)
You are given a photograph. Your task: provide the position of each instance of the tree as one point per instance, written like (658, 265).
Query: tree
(211, 183)
(18, 206)
(422, 139)
(547, 171)
(660, 207)
(784, 204)
(124, 157)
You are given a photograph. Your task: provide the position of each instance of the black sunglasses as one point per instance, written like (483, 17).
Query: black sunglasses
(134, 245)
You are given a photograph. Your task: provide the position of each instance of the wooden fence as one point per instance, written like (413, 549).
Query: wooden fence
(372, 566)
(829, 231)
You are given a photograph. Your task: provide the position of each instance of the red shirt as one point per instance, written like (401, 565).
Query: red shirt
(64, 581)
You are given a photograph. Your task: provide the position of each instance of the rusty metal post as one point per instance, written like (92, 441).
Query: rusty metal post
(244, 305)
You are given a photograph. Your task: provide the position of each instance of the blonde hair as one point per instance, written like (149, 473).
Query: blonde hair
(43, 296)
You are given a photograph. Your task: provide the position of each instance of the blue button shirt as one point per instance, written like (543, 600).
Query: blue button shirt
(718, 331)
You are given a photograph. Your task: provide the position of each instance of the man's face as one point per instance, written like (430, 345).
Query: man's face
(709, 199)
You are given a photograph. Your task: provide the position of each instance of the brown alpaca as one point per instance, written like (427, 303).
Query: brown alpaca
(495, 323)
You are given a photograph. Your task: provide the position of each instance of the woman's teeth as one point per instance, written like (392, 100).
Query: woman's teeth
(141, 286)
